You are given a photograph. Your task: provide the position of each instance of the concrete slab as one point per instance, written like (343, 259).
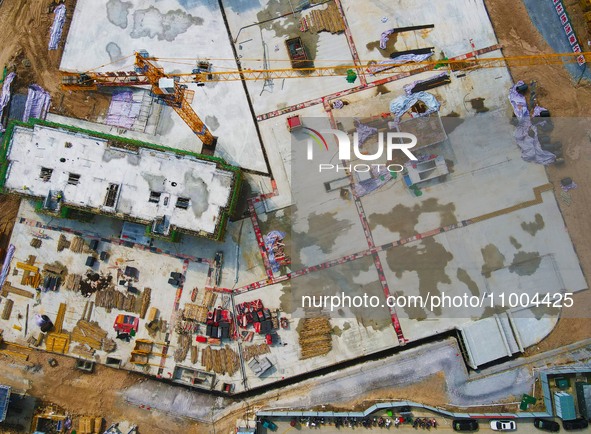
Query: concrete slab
(104, 35)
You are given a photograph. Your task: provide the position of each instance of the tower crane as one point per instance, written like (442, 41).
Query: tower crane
(171, 88)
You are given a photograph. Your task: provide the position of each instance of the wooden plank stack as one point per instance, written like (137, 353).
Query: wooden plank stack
(72, 282)
(62, 243)
(7, 310)
(89, 333)
(57, 342)
(255, 350)
(181, 352)
(7, 288)
(315, 337)
(323, 20)
(145, 302)
(220, 361)
(77, 245)
(59, 319)
(110, 298)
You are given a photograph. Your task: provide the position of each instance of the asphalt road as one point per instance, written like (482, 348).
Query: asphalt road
(444, 426)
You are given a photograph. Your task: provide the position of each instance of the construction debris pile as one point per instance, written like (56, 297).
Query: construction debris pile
(92, 335)
(93, 282)
(315, 337)
(276, 250)
(221, 361)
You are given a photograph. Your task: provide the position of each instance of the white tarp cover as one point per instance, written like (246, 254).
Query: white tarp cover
(526, 134)
(5, 97)
(38, 100)
(55, 33)
(403, 103)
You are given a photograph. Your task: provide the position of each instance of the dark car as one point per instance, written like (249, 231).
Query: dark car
(547, 425)
(465, 425)
(570, 425)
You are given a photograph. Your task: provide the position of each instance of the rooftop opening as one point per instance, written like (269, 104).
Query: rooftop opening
(45, 174)
(155, 196)
(182, 202)
(73, 179)
(111, 196)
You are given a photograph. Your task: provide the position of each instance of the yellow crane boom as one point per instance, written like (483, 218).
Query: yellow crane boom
(172, 89)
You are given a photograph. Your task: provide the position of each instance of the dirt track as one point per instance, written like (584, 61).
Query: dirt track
(24, 38)
(563, 98)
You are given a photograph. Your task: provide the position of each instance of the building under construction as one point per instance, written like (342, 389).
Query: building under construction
(168, 190)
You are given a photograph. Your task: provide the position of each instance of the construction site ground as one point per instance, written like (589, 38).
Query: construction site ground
(25, 42)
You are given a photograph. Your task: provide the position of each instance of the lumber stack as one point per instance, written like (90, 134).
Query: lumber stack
(59, 319)
(7, 310)
(62, 243)
(31, 274)
(323, 20)
(221, 361)
(77, 245)
(89, 333)
(15, 351)
(180, 353)
(194, 354)
(315, 337)
(145, 302)
(84, 351)
(110, 298)
(7, 288)
(57, 342)
(72, 282)
(255, 350)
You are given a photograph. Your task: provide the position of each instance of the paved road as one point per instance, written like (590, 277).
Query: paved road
(444, 427)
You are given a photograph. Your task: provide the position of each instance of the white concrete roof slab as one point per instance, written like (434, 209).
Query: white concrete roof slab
(137, 173)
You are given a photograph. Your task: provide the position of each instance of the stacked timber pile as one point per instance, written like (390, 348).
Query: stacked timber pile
(323, 20)
(181, 352)
(220, 361)
(89, 333)
(77, 245)
(72, 282)
(83, 351)
(198, 312)
(62, 243)
(194, 354)
(145, 302)
(315, 337)
(255, 350)
(110, 298)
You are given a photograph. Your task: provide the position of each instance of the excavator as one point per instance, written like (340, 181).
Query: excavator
(171, 88)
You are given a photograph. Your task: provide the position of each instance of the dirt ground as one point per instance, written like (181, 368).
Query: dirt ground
(24, 38)
(563, 98)
(83, 394)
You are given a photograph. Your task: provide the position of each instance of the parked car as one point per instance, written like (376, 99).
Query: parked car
(269, 425)
(546, 425)
(465, 425)
(503, 425)
(570, 425)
